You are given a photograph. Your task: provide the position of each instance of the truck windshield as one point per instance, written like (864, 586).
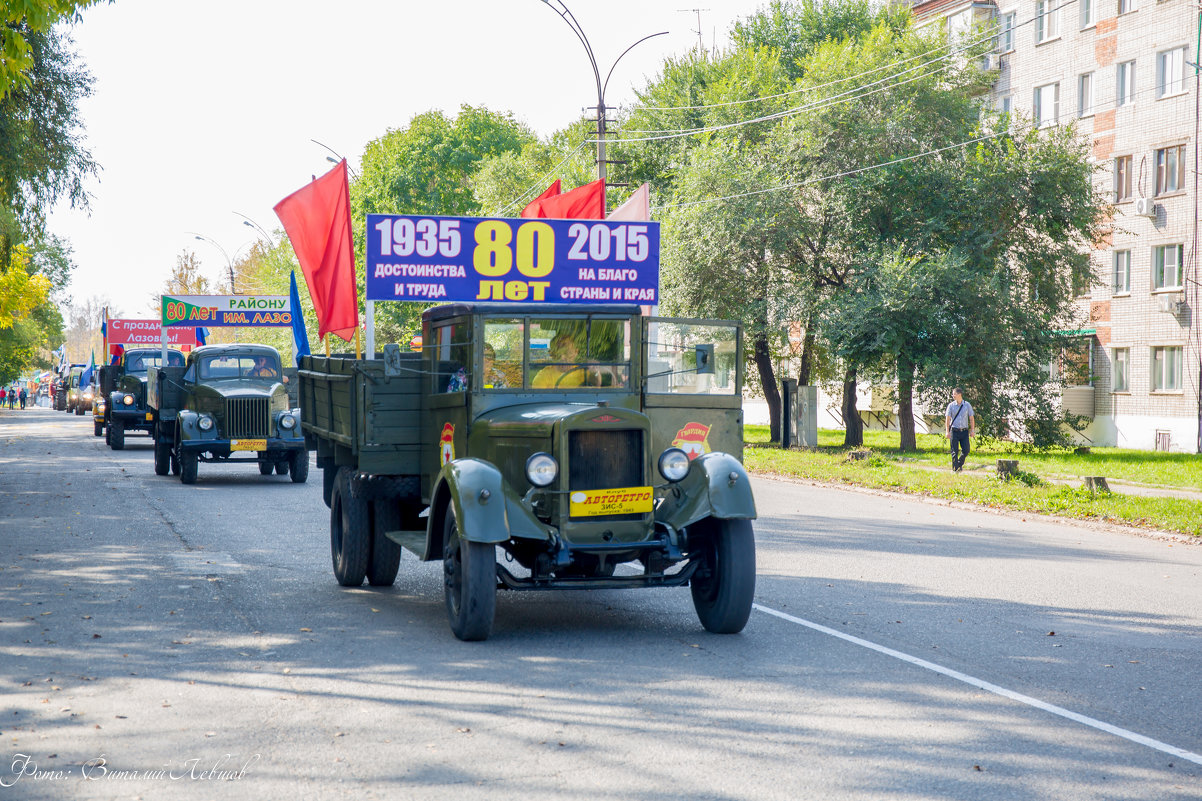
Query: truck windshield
(140, 363)
(259, 365)
(556, 353)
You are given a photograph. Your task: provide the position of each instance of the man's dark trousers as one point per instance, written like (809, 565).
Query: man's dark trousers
(959, 447)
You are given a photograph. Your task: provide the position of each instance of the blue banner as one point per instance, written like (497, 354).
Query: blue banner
(531, 261)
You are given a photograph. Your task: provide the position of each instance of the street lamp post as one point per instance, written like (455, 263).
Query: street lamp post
(228, 263)
(249, 223)
(560, 8)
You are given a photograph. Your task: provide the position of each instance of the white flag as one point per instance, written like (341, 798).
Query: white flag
(637, 208)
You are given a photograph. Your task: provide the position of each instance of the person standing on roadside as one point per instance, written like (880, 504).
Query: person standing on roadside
(22, 396)
(960, 424)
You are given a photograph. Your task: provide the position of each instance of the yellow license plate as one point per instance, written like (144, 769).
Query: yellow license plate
(248, 444)
(620, 501)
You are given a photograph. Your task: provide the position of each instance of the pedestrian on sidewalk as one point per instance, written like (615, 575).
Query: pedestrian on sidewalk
(23, 396)
(960, 424)
(12, 397)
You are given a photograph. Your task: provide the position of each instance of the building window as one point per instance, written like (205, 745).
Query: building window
(1122, 272)
(1166, 369)
(1047, 105)
(1089, 13)
(1047, 20)
(1170, 72)
(1125, 84)
(1005, 37)
(1119, 370)
(1126, 5)
(1122, 179)
(1085, 95)
(1170, 169)
(1166, 267)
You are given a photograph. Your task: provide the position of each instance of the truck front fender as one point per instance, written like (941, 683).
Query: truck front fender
(486, 508)
(716, 486)
(188, 429)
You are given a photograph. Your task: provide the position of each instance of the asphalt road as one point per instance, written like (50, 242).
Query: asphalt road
(160, 641)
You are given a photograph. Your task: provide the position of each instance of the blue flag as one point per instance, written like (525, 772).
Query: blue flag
(300, 337)
(85, 377)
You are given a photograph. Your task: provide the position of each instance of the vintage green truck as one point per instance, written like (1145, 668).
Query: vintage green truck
(593, 446)
(123, 388)
(228, 404)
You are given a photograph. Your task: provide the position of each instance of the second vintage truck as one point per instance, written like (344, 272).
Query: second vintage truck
(587, 446)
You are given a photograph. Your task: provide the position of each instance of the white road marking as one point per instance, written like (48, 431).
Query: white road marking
(992, 688)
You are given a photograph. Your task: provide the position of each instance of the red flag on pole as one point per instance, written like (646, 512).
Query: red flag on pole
(582, 203)
(317, 219)
(531, 209)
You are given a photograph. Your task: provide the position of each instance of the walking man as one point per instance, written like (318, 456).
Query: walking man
(959, 425)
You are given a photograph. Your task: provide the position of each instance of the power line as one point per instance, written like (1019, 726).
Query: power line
(539, 182)
(810, 181)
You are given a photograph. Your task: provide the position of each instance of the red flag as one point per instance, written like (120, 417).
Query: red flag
(582, 203)
(317, 219)
(531, 210)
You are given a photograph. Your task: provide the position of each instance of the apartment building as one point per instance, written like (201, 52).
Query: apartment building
(1123, 73)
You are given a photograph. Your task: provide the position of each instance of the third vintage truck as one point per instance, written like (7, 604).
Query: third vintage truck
(588, 446)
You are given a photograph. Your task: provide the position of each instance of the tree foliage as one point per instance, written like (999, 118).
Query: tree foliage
(23, 21)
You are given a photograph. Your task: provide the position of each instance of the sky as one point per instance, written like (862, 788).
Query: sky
(202, 111)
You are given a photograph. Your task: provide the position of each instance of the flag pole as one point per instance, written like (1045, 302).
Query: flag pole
(371, 329)
(326, 339)
(358, 350)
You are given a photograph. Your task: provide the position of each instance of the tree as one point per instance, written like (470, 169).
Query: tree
(427, 168)
(22, 22)
(42, 158)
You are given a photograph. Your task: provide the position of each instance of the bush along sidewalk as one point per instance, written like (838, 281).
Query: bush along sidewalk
(1025, 492)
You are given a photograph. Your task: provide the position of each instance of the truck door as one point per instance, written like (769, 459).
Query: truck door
(692, 374)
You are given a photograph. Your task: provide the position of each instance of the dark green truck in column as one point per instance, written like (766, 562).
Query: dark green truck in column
(595, 447)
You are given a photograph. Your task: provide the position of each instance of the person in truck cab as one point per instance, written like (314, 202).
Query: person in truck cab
(262, 369)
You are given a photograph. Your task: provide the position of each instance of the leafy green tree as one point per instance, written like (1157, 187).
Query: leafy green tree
(506, 182)
(427, 167)
(42, 158)
(22, 22)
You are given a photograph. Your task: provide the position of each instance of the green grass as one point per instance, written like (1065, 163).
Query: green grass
(887, 468)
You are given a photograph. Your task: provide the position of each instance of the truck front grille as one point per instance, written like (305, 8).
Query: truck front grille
(247, 418)
(605, 459)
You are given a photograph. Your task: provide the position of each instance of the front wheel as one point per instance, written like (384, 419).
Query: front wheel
(189, 464)
(470, 581)
(117, 435)
(350, 532)
(724, 585)
(297, 466)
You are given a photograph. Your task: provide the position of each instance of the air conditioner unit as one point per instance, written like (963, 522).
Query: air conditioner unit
(1169, 304)
(1144, 207)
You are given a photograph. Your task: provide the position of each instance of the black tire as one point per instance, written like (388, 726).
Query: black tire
(724, 585)
(328, 476)
(266, 468)
(162, 458)
(79, 410)
(385, 559)
(189, 464)
(97, 428)
(175, 468)
(350, 533)
(469, 582)
(297, 466)
(108, 435)
(117, 435)
(281, 468)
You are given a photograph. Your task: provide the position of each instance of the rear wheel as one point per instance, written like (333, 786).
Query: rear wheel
(117, 435)
(724, 585)
(281, 468)
(385, 559)
(297, 466)
(470, 581)
(350, 532)
(162, 458)
(266, 468)
(328, 476)
(97, 428)
(189, 464)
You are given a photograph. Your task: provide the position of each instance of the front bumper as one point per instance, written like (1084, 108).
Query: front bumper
(227, 450)
(132, 417)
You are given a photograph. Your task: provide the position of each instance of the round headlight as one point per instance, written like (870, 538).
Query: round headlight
(205, 422)
(287, 422)
(128, 400)
(674, 464)
(541, 469)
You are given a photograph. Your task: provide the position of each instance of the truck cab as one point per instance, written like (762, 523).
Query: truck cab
(595, 446)
(126, 408)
